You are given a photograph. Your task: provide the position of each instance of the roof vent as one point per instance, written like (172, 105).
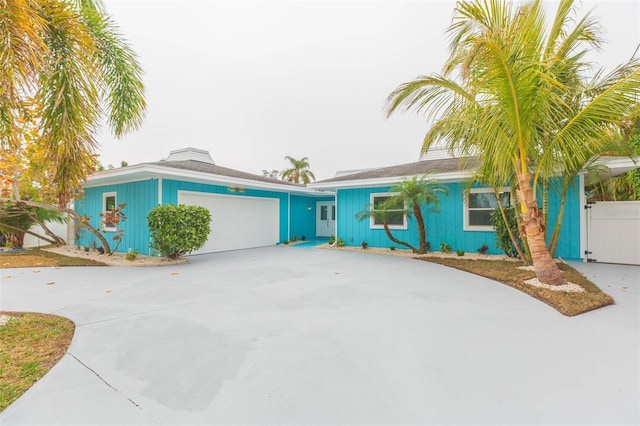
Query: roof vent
(194, 154)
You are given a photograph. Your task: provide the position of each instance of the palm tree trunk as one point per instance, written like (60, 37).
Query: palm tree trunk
(545, 267)
(397, 241)
(523, 237)
(422, 230)
(514, 242)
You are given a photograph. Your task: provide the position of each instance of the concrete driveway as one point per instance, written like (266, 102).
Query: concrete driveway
(306, 336)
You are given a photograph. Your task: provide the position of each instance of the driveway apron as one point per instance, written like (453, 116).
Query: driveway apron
(285, 336)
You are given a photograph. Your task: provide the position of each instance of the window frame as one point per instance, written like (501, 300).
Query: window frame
(372, 220)
(466, 208)
(106, 195)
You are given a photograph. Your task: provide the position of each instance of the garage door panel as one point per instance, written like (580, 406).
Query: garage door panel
(237, 222)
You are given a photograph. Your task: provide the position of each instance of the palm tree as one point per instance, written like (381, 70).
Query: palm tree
(63, 63)
(299, 171)
(408, 198)
(509, 103)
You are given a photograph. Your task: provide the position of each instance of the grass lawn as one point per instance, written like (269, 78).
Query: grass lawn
(505, 271)
(36, 257)
(30, 344)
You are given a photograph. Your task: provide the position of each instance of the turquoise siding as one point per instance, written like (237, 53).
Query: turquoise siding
(569, 242)
(303, 220)
(140, 197)
(447, 225)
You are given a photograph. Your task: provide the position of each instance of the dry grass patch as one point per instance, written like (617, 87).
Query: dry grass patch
(36, 257)
(506, 272)
(30, 344)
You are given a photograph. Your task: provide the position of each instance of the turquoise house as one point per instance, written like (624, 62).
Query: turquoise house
(255, 211)
(463, 219)
(247, 210)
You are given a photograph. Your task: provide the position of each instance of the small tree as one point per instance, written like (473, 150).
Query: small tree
(178, 230)
(505, 233)
(410, 196)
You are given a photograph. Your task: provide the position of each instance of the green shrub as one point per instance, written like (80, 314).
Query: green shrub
(445, 248)
(340, 242)
(503, 240)
(392, 248)
(178, 230)
(332, 239)
(132, 255)
(460, 252)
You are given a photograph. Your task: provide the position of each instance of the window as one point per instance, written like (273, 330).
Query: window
(108, 204)
(478, 207)
(396, 217)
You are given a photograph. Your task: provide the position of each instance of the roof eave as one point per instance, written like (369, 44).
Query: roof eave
(455, 176)
(151, 171)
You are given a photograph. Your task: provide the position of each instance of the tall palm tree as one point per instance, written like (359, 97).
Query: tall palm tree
(410, 196)
(65, 62)
(299, 171)
(504, 97)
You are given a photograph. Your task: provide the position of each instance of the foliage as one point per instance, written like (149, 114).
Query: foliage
(517, 94)
(132, 255)
(340, 242)
(299, 171)
(445, 248)
(460, 252)
(332, 239)
(294, 238)
(63, 69)
(177, 230)
(503, 239)
(113, 218)
(17, 219)
(365, 245)
(409, 197)
(273, 174)
(392, 248)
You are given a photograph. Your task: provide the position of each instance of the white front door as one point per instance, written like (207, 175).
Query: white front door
(325, 218)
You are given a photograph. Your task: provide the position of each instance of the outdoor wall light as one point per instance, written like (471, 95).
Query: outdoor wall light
(235, 189)
(309, 207)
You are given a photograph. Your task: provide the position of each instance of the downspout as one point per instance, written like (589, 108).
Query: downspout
(160, 191)
(288, 216)
(335, 224)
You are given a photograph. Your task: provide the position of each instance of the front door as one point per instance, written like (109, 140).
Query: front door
(325, 218)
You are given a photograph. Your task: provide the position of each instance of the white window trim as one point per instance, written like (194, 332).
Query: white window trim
(484, 228)
(104, 209)
(372, 224)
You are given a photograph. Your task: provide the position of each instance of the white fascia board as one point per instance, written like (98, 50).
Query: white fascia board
(389, 181)
(146, 171)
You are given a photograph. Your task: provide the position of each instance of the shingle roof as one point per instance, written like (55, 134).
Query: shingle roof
(410, 169)
(199, 166)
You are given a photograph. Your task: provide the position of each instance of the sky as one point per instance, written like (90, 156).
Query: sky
(255, 81)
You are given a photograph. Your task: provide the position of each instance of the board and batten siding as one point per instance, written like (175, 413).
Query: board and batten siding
(140, 198)
(448, 225)
(303, 219)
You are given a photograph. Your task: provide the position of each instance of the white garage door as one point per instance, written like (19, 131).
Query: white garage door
(237, 222)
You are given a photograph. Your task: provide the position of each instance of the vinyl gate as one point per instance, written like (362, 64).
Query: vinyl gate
(613, 232)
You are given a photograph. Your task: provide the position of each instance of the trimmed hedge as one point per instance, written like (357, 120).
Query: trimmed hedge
(177, 230)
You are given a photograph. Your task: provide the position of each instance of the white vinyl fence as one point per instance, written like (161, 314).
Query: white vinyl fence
(613, 232)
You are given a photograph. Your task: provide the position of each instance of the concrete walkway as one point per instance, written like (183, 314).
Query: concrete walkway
(282, 336)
